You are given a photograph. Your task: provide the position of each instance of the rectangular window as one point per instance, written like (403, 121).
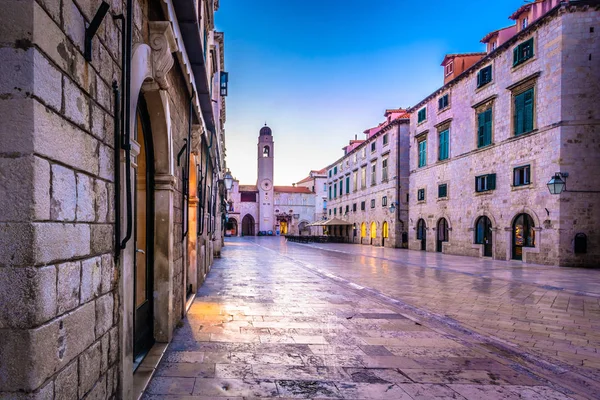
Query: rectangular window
(347, 209)
(354, 207)
(484, 76)
(422, 115)
(335, 211)
(444, 150)
(355, 181)
(442, 190)
(341, 188)
(330, 173)
(372, 203)
(384, 201)
(449, 68)
(384, 170)
(385, 139)
(347, 184)
(364, 152)
(422, 153)
(355, 157)
(330, 212)
(362, 206)
(522, 176)
(363, 177)
(373, 174)
(524, 112)
(484, 128)
(340, 210)
(324, 186)
(335, 170)
(485, 183)
(329, 192)
(420, 194)
(443, 102)
(373, 146)
(523, 52)
(335, 190)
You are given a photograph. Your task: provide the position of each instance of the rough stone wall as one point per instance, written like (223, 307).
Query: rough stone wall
(379, 214)
(539, 149)
(57, 275)
(580, 135)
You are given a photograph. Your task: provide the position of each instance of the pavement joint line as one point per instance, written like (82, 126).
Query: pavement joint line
(483, 276)
(535, 364)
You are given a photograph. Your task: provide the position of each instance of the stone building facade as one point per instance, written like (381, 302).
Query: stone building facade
(485, 145)
(316, 182)
(80, 307)
(372, 176)
(266, 209)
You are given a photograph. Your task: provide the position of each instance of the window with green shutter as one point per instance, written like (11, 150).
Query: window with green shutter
(421, 195)
(335, 170)
(484, 76)
(330, 192)
(348, 184)
(335, 190)
(422, 153)
(523, 52)
(523, 118)
(443, 102)
(444, 146)
(341, 188)
(422, 115)
(484, 183)
(443, 190)
(484, 128)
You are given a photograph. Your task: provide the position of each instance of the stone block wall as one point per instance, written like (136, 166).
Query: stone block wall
(58, 280)
(547, 149)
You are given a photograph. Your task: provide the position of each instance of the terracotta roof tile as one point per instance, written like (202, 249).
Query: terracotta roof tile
(248, 188)
(292, 189)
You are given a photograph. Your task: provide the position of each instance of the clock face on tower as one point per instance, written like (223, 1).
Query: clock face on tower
(265, 184)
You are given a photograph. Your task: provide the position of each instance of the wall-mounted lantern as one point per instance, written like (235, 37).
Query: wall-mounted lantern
(224, 82)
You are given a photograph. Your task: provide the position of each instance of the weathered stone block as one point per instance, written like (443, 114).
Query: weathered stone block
(15, 244)
(16, 128)
(47, 81)
(113, 353)
(106, 163)
(59, 241)
(74, 23)
(101, 201)
(69, 279)
(63, 202)
(89, 368)
(28, 296)
(98, 392)
(29, 361)
(98, 122)
(91, 278)
(44, 393)
(16, 179)
(41, 189)
(104, 314)
(17, 22)
(101, 238)
(76, 104)
(108, 273)
(85, 198)
(66, 383)
(57, 139)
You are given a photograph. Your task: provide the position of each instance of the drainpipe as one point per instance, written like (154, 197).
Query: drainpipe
(398, 199)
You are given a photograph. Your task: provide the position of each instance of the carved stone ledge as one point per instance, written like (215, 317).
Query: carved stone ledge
(165, 182)
(163, 44)
(197, 132)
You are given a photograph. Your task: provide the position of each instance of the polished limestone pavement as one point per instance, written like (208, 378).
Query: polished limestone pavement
(286, 320)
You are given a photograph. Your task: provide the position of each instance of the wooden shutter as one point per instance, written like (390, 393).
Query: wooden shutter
(488, 126)
(519, 113)
(516, 53)
(479, 78)
(481, 129)
(477, 187)
(528, 111)
(440, 103)
(491, 182)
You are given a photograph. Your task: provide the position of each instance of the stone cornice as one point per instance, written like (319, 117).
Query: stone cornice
(163, 44)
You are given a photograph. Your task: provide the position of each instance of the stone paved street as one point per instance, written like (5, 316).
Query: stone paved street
(286, 320)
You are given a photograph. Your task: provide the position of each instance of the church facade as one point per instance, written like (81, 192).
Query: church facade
(266, 209)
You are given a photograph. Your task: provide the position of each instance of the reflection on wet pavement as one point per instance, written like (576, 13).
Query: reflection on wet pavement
(266, 325)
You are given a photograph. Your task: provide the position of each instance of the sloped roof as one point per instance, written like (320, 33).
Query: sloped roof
(307, 179)
(292, 189)
(455, 55)
(248, 188)
(490, 35)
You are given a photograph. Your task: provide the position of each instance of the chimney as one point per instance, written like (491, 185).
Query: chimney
(355, 137)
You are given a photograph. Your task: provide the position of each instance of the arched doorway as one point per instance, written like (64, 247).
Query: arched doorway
(248, 225)
(231, 229)
(483, 235)
(373, 231)
(363, 230)
(385, 232)
(143, 235)
(442, 234)
(523, 235)
(283, 227)
(421, 233)
(303, 229)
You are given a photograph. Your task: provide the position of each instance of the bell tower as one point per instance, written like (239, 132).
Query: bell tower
(265, 179)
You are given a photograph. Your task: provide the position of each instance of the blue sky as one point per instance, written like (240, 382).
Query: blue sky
(321, 71)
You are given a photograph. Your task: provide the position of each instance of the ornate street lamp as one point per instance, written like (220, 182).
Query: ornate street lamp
(557, 185)
(228, 180)
(393, 206)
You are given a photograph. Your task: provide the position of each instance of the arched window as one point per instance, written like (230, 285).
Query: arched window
(523, 235)
(482, 226)
(421, 229)
(385, 230)
(363, 230)
(266, 151)
(373, 230)
(442, 233)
